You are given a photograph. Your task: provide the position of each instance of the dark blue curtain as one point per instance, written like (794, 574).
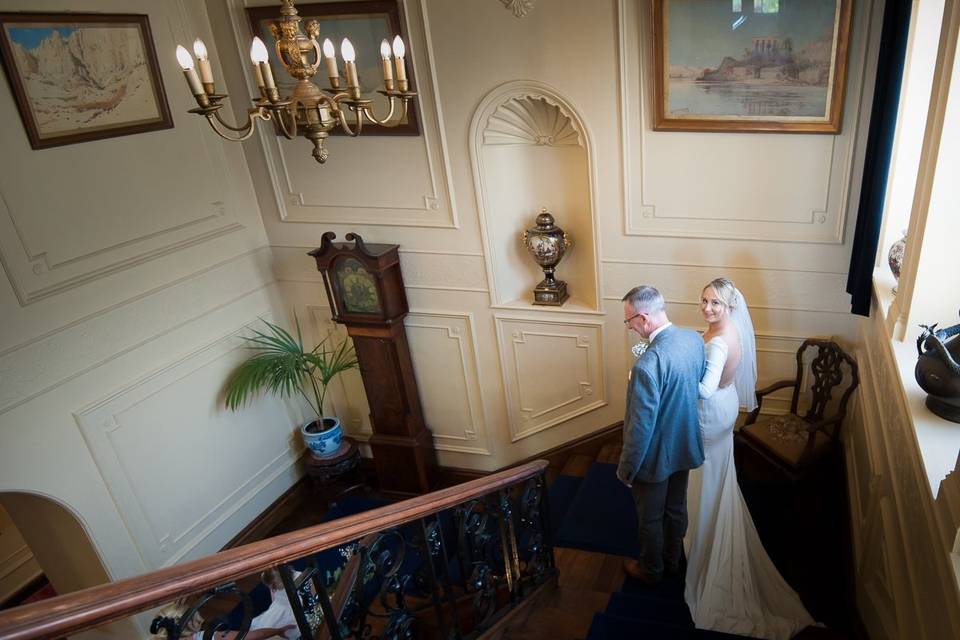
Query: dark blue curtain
(883, 125)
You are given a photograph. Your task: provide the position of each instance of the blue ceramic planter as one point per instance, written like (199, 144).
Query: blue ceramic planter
(325, 442)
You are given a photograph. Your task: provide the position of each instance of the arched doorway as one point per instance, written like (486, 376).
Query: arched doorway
(56, 540)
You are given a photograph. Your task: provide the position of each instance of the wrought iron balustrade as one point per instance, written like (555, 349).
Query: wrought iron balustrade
(448, 564)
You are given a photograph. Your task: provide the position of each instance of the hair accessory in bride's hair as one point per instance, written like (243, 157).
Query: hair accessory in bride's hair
(639, 348)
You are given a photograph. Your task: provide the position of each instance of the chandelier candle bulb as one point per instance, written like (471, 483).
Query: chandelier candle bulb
(258, 53)
(349, 63)
(330, 54)
(186, 63)
(387, 65)
(203, 64)
(399, 51)
(256, 68)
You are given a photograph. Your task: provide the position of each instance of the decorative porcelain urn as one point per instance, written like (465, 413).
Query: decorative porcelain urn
(547, 243)
(938, 370)
(895, 257)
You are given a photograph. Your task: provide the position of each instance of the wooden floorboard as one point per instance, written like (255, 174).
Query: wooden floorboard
(577, 465)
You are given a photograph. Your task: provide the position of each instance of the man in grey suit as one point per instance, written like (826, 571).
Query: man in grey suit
(661, 434)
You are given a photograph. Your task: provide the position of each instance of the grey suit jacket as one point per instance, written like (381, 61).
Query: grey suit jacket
(661, 433)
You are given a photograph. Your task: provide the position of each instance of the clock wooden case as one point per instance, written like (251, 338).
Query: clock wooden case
(365, 288)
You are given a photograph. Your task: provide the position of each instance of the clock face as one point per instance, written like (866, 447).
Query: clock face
(358, 291)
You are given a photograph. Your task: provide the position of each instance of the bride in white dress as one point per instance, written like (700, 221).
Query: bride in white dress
(731, 584)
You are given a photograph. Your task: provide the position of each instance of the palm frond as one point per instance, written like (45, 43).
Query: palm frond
(281, 366)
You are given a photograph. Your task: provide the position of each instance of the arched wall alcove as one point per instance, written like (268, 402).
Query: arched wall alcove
(530, 149)
(57, 540)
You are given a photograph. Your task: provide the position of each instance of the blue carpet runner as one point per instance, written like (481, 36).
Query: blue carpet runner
(597, 514)
(601, 516)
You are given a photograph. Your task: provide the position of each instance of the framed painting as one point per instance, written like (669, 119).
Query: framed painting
(750, 65)
(366, 24)
(78, 77)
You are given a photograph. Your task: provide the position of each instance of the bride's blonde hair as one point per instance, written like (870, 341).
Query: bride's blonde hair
(725, 289)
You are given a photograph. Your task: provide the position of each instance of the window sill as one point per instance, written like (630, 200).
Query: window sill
(938, 440)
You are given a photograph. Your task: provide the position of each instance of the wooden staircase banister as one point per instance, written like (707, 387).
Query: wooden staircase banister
(96, 606)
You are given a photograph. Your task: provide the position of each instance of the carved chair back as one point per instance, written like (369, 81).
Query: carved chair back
(827, 371)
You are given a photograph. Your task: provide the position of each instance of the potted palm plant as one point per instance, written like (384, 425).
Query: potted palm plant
(283, 366)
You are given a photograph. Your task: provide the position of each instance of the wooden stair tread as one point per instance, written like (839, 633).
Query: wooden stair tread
(610, 453)
(577, 465)
(563, 612)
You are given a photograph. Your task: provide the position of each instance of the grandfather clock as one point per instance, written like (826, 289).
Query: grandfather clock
(365, 289)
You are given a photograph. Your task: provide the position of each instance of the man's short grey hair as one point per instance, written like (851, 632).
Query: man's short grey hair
(645, 299)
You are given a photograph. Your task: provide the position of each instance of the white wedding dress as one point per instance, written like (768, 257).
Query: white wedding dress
(731, 584)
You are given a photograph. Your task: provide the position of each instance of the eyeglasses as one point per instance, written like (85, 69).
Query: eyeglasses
(627, 321)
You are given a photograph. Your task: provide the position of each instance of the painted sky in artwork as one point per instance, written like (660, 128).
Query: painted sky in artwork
(701, 33)
(31, 37)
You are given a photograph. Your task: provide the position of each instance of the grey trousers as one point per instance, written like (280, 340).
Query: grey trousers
(662, 517)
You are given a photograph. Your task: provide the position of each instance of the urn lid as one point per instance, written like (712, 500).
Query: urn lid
(545, 221)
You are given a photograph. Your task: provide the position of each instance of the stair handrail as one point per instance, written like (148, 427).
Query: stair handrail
(96, 606)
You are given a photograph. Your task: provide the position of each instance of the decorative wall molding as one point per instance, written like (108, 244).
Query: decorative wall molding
(572, 351)
(54, 240)
(436, 207)
(132, 453)
(893, 507)
(520, 8)
(818, 221)
(531, 120)
(450, 390)
(521, 113)
(715, 267)
(29, 374)
(763, 289)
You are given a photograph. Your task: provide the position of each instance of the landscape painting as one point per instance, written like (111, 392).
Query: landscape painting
(81, 77)
(750, 65)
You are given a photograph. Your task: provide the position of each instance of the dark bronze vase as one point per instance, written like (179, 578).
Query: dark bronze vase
(547, 243)
(938, 370)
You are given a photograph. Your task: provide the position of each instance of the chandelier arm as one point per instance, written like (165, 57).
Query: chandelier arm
(245, 132)
(341, 115)
(227, 125)
(289, 131)
(368, 112)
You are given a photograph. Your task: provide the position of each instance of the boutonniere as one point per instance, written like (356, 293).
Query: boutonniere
(639, 348)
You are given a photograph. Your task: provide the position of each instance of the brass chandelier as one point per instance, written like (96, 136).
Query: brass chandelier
(309, 110)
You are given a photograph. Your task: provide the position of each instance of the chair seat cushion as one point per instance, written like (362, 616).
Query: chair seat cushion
(786, 437)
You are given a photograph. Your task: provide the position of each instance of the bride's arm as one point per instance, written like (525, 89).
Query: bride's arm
(716, 355)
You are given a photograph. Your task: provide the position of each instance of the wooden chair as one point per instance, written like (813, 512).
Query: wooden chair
(794, 443)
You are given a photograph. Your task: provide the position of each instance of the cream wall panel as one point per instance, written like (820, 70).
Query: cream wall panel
(422, 269)
(137, 438)
(553, 371)
(792, 272)
(129, 254)
(763, 187)
(769, 288)
(55, 238)
(443, 349)
(41, 365)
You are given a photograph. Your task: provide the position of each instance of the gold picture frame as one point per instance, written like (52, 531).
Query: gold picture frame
(772, 66)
